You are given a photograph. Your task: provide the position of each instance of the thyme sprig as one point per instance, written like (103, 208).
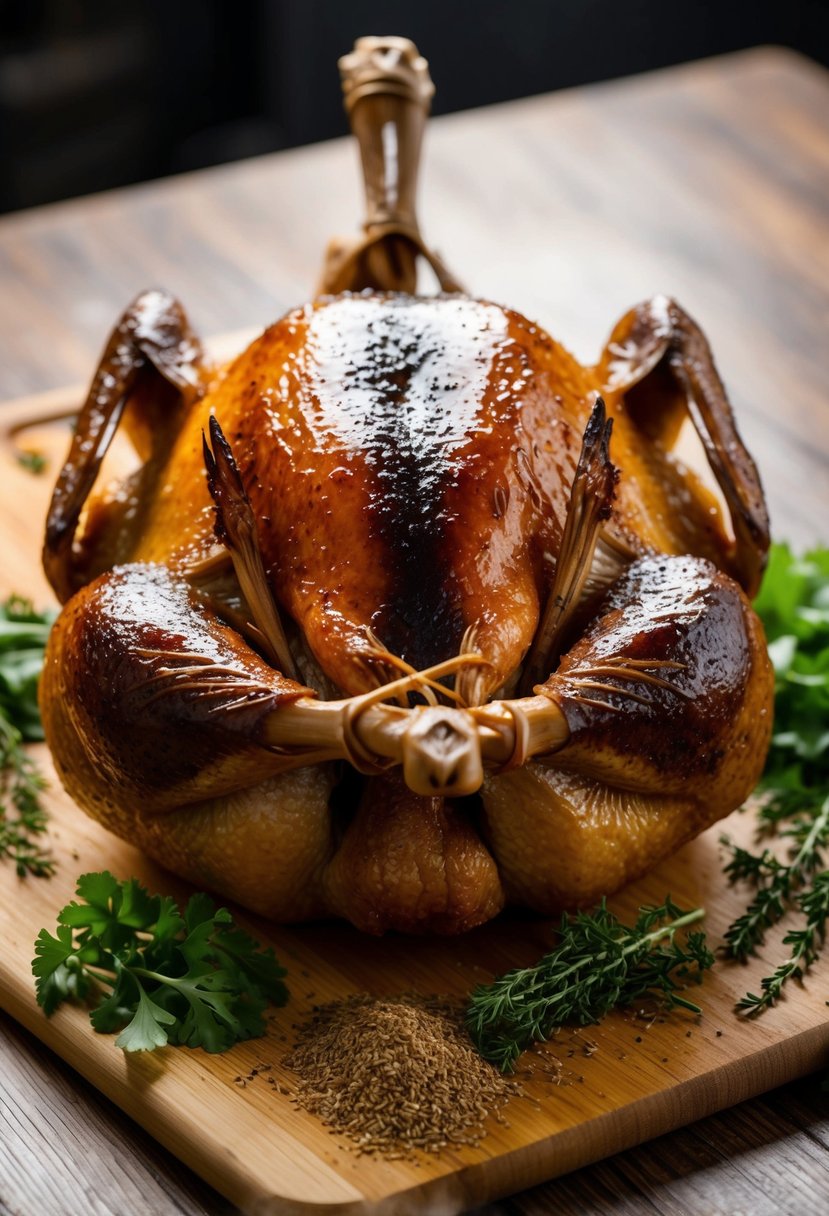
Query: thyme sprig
(22, 818)
(23, 634)
(806, 943)
(794, 607)
(777, 883)
(599, 964)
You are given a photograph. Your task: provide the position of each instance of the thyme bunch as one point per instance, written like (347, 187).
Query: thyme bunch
(806, 942)
(778, 885)
(23, 634)
(794, 607)
(22, 818)
(599, 964)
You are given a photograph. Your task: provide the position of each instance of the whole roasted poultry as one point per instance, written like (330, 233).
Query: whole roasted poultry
(385, 625)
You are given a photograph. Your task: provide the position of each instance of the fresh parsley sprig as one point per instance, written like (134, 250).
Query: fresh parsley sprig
(794, 607)
(23, 635)
(154, 974)
(599, 964)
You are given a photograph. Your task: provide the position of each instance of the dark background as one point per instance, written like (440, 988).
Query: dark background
(99, 93)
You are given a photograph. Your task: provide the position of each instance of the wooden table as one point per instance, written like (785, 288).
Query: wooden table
(710, 182)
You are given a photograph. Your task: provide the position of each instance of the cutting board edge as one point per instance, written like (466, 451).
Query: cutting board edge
(684, 1102)
(226, 1174)
(492, 1178)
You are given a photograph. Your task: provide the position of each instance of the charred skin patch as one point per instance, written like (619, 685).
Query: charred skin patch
(410, 398)
(408, 465)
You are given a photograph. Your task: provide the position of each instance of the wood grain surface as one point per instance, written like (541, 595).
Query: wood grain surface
(647, 1074)
(637, 1074)
(709, 182)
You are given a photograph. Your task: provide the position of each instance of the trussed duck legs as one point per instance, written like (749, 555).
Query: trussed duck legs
(165, 716)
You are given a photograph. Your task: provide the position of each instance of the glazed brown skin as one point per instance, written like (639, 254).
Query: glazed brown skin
(413, 487)
(685, 613)
(668, 699)
(175, 744)
(410, 463)
(387, 499)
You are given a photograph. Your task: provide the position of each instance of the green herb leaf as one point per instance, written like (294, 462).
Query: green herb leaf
(239, 953)
(146, 1030)
(23, 634)
(115, 1010)
(111, 911)
(794, 606)
(598, 964)
(22, 817)
(157, 976)
(33, 461)
(52, 976)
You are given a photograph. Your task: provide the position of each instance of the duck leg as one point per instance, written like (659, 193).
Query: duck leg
(154, 711)
(667, 697)
(660, 361)
(151, 370)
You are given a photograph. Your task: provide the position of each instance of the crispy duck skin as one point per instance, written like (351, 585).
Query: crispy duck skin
(415, 538)
(419, 460)
(667, 697)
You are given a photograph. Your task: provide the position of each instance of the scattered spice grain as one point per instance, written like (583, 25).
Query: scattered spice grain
(395, 1075)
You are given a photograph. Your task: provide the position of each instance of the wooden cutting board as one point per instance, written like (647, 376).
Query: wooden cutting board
(633, 1077)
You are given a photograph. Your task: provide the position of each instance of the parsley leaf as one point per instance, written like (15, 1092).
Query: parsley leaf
(145, 1032)
(155, 975)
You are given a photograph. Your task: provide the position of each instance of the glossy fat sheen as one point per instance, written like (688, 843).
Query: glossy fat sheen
(594, 838)
(676, 730)
(668, 697)
(409, 464)
(151, 742)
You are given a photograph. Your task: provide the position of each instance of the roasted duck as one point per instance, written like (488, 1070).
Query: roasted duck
(404, 613)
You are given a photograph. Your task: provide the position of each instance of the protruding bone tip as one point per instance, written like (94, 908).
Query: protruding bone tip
(385, 64)
(442, 752)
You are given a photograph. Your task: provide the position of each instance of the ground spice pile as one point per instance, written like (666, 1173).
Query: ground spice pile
(395, 1075)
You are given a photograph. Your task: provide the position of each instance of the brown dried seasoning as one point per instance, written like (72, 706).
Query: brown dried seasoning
(396, 1074)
